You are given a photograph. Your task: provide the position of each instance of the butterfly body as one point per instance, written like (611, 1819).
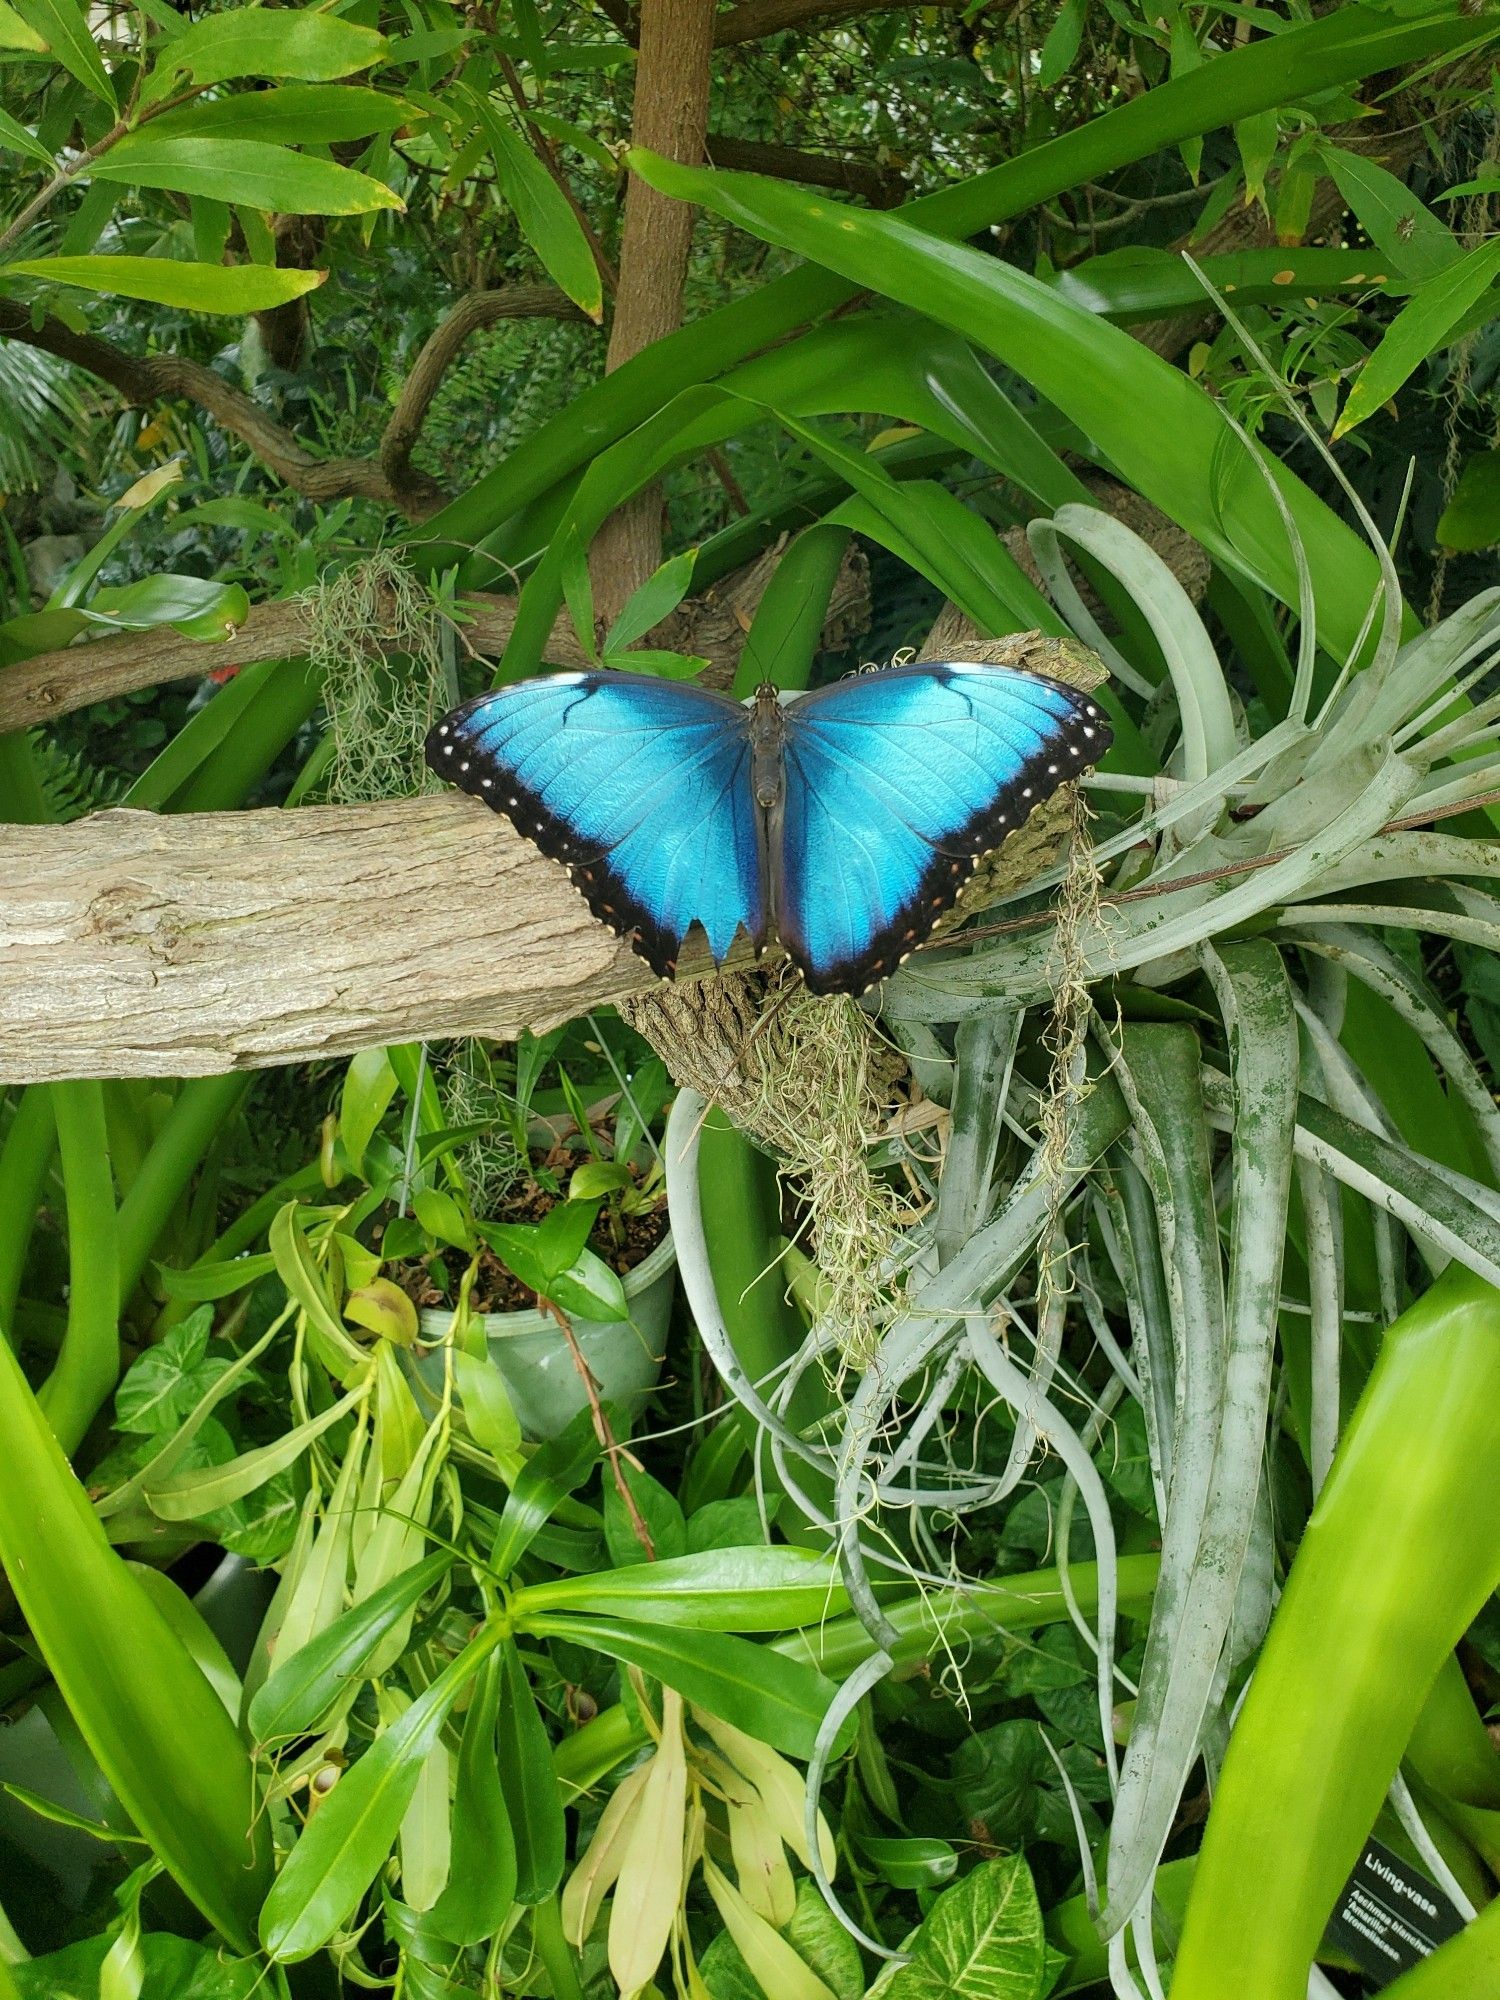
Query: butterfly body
(843, 823)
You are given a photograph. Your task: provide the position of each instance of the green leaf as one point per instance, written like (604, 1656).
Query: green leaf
(441, 1216)
(369, 1086)
(348, 1839)
(488, 1409)
(1346, 44)
(775, 1699)
(174, 1968)
(482, 1877)
(728, 1524)
(63, 28)
(156, 1727)
(562, 1233)
(917, 1863)
(244, 171)
(297, 1696)
(192, 605)
(190, 1496)
(17, 139)
(1161, 430)
(1064, 39)
(658, 1509)
(657, 597)
(546, 221)
(1256, 138)
(17, 34)
(291, 114)
(303, 42)
(1405, 232)
(667, 666)
(756, 1589)
(532, 1795)
(1471, 519)
(162, 1387)
(206, 288)
(553, 1470)
(981, 1940)
(1421, 326)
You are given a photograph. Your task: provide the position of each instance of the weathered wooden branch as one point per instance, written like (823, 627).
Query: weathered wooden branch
(133, 944)
(39, 690)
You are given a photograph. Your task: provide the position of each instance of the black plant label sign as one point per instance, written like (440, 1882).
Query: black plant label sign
(1389, 1916)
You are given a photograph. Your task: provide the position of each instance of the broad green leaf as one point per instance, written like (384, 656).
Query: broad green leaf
(546, 221)
(771, 1697)
(156, 1727)
(757, 1589)
(188, 1622)
(214, 1281)
(63, 27)
(1256, 138)
(1421, 326)
(532, 1796)
(657, 597)
(189, 1496)
(1405, 232)
(16, 139)
(174, 1968)
(246, 172)
(18, 34)
(981, 1940)
(291, 114)
(1471, 519)
(920, 1863)
(369, 1086)
(771, 1961)
(1160, 429)
(441, 1216)
(205, 288)
(345, 1843)
(488, 1411)
(1346, 44)
(312, 45)
(163, 1386)
(482, 1879)
(302, 1689)
(1064, 39)
(549, 1475)
(192, 605)
(659, 1512)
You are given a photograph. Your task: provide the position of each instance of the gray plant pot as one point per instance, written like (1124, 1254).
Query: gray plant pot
(624, 1356)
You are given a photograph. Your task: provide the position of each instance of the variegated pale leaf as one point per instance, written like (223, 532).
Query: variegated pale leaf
(779, 1783)
(765, 1951)
(649, 1890)
(760, 1863)
(594, 1877)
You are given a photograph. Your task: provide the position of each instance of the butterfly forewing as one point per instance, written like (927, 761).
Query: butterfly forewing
(641, 787)
(896, 782)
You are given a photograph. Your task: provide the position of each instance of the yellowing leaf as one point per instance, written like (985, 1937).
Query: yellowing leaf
(169, 281)
(597, 1872)
(385, 1309)
(648, 1893)
(760, 1862)
(780, 1784)
(765, 1951)
(157, 480)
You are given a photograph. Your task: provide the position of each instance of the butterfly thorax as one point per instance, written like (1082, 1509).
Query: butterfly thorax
(767, 734)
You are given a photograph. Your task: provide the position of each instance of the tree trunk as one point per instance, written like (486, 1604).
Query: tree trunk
(671, 117)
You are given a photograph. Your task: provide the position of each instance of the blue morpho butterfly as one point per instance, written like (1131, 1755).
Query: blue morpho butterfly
(844, 823)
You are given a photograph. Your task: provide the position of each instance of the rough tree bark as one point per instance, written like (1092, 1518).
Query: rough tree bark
(671, 117)
(133, 944)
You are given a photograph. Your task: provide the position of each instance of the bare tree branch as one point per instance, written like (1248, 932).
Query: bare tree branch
(388, 477)
(473, 311)
(881, 187)
(753, 19)
(133, 944)
(38, 691)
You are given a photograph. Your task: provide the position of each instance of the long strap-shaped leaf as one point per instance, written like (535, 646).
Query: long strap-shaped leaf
(159, 1731)
(1182, 1658)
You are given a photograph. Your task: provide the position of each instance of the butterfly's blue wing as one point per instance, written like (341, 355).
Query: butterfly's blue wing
(896, 783)
(640, 787)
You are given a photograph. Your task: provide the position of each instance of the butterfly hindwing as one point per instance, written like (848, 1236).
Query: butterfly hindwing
(896, 782)
(639, 786)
